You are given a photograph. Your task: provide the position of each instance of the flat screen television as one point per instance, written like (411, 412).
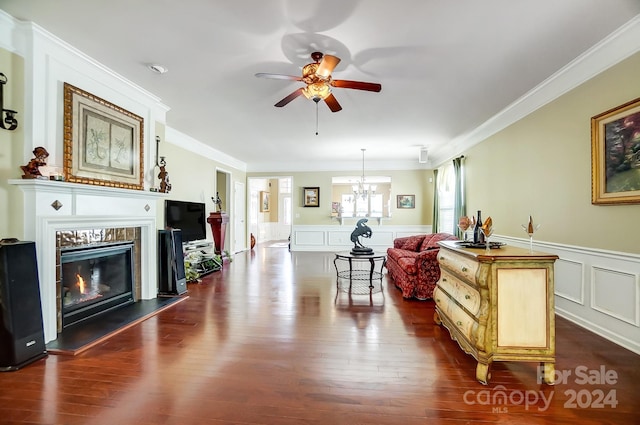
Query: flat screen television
(186, 216)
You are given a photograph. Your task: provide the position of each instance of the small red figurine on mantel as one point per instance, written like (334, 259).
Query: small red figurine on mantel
(31, 170)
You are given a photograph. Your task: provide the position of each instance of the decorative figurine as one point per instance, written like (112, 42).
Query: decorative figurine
(32, 170)
(165, 186)
(217, 201)
(361, 230)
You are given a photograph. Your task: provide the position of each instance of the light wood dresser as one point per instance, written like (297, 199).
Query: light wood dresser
(498, 305)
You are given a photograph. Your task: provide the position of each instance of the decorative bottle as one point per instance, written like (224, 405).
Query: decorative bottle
(478, 236)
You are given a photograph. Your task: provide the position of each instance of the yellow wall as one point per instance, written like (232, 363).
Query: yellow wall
(193, 178)
(12, 147)
(541, 166)
(274, 190)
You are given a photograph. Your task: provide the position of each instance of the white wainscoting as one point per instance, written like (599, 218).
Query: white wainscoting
(338, 237)
(596, 289)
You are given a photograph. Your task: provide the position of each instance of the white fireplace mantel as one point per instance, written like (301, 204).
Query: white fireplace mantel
(51, 206)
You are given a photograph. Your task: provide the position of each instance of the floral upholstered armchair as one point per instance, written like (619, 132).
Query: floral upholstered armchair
(413, 264)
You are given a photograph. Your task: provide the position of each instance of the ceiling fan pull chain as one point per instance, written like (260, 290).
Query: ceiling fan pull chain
(316, 118)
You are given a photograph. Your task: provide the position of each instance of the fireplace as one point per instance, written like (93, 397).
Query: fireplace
(62, 216)
(95, 280)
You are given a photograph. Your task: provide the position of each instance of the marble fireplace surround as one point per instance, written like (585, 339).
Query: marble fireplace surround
(54, 208)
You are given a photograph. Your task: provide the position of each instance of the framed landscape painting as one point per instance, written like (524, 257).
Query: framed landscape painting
(406, 201)
(311, 197)
(615, 155)
(103, 143)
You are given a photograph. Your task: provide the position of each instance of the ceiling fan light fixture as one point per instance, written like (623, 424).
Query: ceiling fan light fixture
(319, 82)
(317, 91)
(309, 70)
(327, 66)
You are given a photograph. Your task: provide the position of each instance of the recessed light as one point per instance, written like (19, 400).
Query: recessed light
(157, 68)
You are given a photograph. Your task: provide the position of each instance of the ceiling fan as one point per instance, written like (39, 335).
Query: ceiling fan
(317, 77)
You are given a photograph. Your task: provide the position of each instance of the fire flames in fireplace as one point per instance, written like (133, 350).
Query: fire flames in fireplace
(84, 292)
(80, 282)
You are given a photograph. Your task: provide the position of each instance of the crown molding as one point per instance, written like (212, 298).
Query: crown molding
(187, 142)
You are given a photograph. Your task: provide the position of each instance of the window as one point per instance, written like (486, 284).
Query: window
(446, 195)
(376, 205)
(356, 206)
(284, 187)
(348, 206)
(362, 206)
(286, 213)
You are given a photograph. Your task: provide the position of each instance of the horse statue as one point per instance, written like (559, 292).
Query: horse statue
(361, 230)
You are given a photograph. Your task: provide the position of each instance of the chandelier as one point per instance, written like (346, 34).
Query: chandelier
(362, 189)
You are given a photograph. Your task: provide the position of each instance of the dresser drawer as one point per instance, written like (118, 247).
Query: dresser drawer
(462, 321)
(463, 267)
(442, 300)
(464, 294)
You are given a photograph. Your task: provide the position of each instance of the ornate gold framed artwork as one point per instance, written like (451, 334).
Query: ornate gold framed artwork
(103, 143)
(615, 155)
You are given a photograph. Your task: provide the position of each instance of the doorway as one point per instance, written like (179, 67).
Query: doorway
(223, 191)
(239, 223)
(271, 220)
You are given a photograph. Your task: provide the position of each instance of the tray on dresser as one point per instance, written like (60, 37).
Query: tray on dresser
(471, 244)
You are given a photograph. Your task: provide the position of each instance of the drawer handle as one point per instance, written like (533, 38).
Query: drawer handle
(466, 297)
(444, 279)
(459, 323)
(464, 269)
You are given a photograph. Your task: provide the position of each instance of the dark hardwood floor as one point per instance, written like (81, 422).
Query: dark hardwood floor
(271, 340)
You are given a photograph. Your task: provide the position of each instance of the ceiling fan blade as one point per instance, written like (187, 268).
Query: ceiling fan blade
(332, 103)
(358, 85)
(327, 65)
(278, 76)
(289, 98)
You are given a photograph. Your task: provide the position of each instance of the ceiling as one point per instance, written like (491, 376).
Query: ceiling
(445, 66)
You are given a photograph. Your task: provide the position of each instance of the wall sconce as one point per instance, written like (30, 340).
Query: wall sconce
(7, 117)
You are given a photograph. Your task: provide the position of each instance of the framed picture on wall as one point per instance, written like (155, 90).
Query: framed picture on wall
(615, 155)
(265, 202)
(406, 201)
(311, 196)
(103, 143)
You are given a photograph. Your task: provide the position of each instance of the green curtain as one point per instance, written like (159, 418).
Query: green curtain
(459, 205)
(436, 203)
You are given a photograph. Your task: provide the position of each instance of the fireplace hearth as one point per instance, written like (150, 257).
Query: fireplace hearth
(95, 280)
